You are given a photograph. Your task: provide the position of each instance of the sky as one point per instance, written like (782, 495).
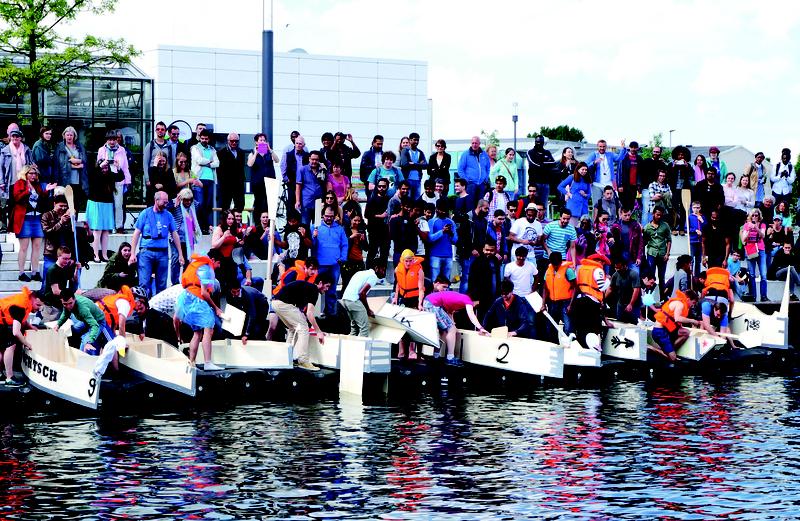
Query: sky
(717, 72)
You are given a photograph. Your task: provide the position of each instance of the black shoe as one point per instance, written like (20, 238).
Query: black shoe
(24, 277)
(102, 259)
(764, 298)
(120, 230)
(37, 277)
(13, 382)
(794, 298)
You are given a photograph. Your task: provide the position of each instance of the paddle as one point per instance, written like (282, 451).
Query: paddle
(535, 300)
(71, 203)
(272, 187)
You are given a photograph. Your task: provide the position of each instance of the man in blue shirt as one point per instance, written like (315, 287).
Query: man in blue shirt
(442, 237)
(474, 167)
(330, 245)
(154, 227)
(308, 187)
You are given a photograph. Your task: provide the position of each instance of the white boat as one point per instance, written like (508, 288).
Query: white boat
(626, 342)
(518, 355)
(256, 354)
(770, 331)
(57, 369)
(377, 355)
(698, 345)
(161, 363)
(419, 325)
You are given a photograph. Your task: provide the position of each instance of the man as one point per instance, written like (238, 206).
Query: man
(293, 160)
(175, 144)
(294, 306)
(296, 239)
(57, 228)
(717, 163)
(783, 178)
(61, 276)
(587, 304)
(196, 308)
(308, 187)
(484, 278)
(118, 307)
(783, 262)
(442, 237)
(370, 160)
(541, 169)
(155, 226)
(511, 311)
(88, 321)
(668, 332)
(474, 167)
(560, 282)
(255, 305)
(343, 155)
(522, 272)
(527, 231)
(324, 152)
(195, 139)
(293, 135)
(757, 172)
(497, 233)
(231, 174)
(413, 164)
(560, 236)
(626, 239)
(403, 230)
(648, 174)
(306, 270)
(461, 207)
(657, 237)
(626, 286)
(429, 194)
(354, 298)
(603, 167)
(14, 312)
(609, 203)
(330, 245)
(682, 280)
(376, 214)
(709, 192)
(443, 304)
(716, 290)
(473, 238)
(403, 190)
(630, 175)
(204, 166)
(158, 144)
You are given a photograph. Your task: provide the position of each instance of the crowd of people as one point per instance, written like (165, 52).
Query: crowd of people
(603, 255)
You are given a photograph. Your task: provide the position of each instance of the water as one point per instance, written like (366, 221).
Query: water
(693, 449)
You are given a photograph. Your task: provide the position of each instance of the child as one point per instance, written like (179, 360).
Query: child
(696, 223)
(498, 198)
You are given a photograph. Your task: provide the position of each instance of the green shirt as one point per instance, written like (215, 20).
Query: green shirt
(87, 312)
(657, 239)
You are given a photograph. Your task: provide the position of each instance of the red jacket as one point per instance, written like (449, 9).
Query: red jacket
(19, 199)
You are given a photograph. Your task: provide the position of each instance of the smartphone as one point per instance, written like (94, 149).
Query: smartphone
(262, 148)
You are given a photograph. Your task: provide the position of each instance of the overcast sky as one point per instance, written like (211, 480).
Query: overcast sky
(717, 72)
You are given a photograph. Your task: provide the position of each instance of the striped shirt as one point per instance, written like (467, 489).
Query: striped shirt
(558, 238)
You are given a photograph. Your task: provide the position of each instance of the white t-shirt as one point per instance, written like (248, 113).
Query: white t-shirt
(123, 308)
(423, 226)
(523, 229)
(521, 277)
(358, 281)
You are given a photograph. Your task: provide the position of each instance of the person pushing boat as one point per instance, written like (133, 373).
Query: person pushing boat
(587, 303)
(88, 321)
(14, 312)
(717, 297)
(354, 298)
(668, 331)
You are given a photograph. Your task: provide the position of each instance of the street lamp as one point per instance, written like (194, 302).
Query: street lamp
(515, 118)
(670, 137)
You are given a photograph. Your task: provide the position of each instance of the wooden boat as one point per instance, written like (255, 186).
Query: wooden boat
(256, 354)
(161, 363)
(57, 369)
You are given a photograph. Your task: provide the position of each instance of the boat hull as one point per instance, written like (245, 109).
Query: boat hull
(160, 363)
(256, 354)
(518, 355)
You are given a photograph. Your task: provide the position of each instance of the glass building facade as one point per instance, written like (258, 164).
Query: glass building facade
(119, 98)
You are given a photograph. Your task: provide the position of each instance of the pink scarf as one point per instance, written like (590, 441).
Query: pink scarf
(18, 154)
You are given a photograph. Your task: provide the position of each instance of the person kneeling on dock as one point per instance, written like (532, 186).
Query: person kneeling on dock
(294, 305)
(668, 332)
(587, 304)
(119, 307)
(14, 313)
(354, 298)
(196, 308)
(88, 320)
(511, 311)
(443, 304)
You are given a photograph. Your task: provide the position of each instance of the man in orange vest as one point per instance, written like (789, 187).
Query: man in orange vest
(196, 308)
(14, 312)
(586, 307)
(559, 289)
(717, 290)
(306, 270)
(119, 306)
(668, 331)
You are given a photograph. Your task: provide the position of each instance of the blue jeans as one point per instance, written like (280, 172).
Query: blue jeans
(645, 206)
(761, 264)
(83, 329)
(206, 204)
(465, 265)
(441, 265)
(330, 305)
(414, 189)
(558, 310)
(47, 261)
(175, 270)
(543, 195)
(151, 262)
(307, 215)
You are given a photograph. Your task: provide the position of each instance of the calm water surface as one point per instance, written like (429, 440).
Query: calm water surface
(693, 449)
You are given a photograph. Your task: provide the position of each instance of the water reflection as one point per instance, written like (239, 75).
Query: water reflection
(695, 449)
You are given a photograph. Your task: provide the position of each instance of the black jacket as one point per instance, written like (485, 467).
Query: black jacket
(437, 171)
(230, 173)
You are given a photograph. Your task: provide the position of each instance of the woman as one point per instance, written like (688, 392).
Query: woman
(224, 239)
(184, 178)
(782, 209)
(491, 151)
(262, 166)
(13, 158)
(337, 182)
(44, 155)
(118, 271)
(184, 211)
(73, 167)
(507, 167)
(357, 246)
(161, 178)
(752, 236)
(576, 190)
(29, 202)
(352, 204)
(567, 165)
(329, 199)
(745, 198)
(439, 165)
(100, 207)
(404, 143)
(387, 171)
(700, 168)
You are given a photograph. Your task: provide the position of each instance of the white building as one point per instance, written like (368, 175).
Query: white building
(313, 94)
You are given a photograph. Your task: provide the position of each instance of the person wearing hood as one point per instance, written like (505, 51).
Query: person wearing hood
(541, 169)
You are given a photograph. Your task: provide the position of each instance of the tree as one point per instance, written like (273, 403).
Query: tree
(561, 133)
(656, 141)
(37, 58)
(490, 138)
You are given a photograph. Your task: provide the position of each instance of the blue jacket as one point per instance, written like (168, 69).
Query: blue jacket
(613, 166)
(442, 243)
(519, 317)
(577, 204)
(474, 168)
(330, 244)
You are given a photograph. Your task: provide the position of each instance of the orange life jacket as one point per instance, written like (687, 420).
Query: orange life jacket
(664, 315)
(717, 278)
(109, 305)
(408, 279)
(21, 299)
(301, 275)
(189, 279)
(558, 287)
(585, 278)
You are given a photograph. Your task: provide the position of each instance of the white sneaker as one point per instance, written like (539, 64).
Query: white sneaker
(210, 366)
